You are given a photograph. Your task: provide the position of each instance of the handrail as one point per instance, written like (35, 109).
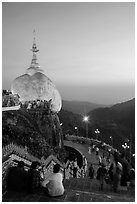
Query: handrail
(21, 151)
(87, 140)
(11, 108)
(8, 149)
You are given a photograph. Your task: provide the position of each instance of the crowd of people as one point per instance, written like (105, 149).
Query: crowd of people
(37, 104)
(33, 180)
(9, 100)
(113, 168)
(74, 171)
(13, 100)
(116, 172)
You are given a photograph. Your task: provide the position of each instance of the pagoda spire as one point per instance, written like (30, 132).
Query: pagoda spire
(34, 66)
(34, 50)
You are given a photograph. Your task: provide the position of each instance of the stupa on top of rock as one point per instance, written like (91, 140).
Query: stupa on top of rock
(35, 85)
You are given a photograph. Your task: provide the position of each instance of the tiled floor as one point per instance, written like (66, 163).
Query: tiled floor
(76, 190)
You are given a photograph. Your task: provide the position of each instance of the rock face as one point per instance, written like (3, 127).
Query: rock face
(37, 86)
(38, 130)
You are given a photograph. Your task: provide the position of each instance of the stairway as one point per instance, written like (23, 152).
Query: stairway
(76, 190)
(88, 185)
(82, 184)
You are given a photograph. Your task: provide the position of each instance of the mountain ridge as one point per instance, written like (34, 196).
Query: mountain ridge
(84, 107)
(80, 107)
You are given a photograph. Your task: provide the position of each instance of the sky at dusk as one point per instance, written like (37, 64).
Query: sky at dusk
(86, 49)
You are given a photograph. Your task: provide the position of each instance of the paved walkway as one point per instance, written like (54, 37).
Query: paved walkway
(83, 149)
(76, 190)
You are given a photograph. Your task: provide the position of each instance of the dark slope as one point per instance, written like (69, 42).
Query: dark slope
(117, 121)
(80, 107)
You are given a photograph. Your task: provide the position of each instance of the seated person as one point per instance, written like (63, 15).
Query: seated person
(53, 183)
(17, 178)
(34, 178)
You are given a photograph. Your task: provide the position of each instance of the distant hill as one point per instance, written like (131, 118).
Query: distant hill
(80, 107)
(125, 105)
(122, 112)
(117, 121)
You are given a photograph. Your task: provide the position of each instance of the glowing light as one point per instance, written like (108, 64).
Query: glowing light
(85, 118)
(97, 131)
(125, 146)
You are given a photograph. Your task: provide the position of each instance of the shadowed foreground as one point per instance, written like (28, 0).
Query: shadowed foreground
(76, 190)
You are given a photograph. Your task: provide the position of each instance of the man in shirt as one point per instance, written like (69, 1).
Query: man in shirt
(53, 183)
